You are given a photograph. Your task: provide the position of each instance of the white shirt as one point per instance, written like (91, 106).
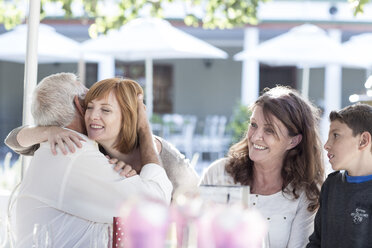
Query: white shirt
(76, 194)
(289, 222)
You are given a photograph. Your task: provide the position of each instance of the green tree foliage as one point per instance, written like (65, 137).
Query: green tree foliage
(10, 15)
(217, 13)
(239, 122)
(358, 5)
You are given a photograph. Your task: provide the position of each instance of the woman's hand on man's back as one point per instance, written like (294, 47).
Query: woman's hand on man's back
(124, 170)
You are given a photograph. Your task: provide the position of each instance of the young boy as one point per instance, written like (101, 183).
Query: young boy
(344, 217)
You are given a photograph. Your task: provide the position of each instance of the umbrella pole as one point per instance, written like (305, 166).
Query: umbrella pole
(305, 81)
(368, 75)
(30, 77)
(81, 68)
(149, 85)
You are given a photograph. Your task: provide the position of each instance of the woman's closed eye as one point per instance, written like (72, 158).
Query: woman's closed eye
(269, 130)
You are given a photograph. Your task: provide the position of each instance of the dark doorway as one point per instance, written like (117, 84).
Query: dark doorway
(91, 74)
(271, 76)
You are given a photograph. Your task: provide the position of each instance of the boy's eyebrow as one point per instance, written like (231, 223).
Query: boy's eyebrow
(333, 130)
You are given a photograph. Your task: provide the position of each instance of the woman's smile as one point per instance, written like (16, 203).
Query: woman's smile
(259, 147)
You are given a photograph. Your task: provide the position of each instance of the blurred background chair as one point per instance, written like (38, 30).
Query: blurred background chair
(201, 142)
(179, 130)
(213, 141)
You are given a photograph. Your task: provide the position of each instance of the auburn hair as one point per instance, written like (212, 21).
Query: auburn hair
(126, 92)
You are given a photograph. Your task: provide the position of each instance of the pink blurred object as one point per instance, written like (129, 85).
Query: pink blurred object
(185, 212)
(146, 223)
(236, 227)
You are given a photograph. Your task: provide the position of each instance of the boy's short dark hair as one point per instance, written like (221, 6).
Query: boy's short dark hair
(358, 117)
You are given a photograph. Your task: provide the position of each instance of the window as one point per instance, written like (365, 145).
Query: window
(162, 80)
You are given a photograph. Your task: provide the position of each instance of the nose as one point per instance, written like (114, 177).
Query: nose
(257, 135)
(93, 114)
(326, 145)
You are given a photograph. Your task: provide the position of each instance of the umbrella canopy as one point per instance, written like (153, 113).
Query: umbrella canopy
(359, 50)
(52, 46)
(304, 46)
(151, 37)
(148, 39)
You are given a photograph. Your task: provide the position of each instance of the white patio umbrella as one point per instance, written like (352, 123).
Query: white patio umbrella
(52, 46)
(359, 50)
(304, 46)
(148, 39)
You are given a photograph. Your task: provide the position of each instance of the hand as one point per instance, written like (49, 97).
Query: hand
(124, 170)
(147, 149)
(142, 121)
(59, 136)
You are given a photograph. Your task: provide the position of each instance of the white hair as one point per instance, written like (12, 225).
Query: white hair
(53, 99)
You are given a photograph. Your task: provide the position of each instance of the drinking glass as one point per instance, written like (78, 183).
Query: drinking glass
(102, 237)
(42, 237)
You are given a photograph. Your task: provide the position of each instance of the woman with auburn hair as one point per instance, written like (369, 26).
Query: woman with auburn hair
(280, 158)
(111, 120)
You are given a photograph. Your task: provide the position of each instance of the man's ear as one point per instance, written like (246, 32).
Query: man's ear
(78, 105)
(295, 140)
(365, 140)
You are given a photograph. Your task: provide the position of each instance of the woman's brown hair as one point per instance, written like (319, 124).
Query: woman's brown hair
(126, 92)
(303, 164)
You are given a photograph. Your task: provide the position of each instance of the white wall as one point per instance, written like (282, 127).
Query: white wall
(11, 96)
(11, 91)
(352, 83)
(200, 90)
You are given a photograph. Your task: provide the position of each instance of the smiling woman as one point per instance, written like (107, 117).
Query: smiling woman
(111, 113)
(280, 159)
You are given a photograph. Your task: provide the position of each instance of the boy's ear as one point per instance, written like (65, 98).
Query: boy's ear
(295, 140)
(365, 140)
